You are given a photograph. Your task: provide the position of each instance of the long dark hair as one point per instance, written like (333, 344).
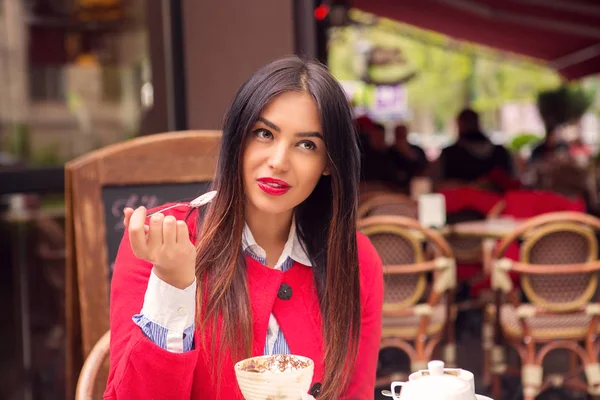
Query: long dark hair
(325, 221)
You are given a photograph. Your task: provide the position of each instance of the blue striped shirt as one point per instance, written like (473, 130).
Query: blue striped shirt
(158, 334)
(280, 346)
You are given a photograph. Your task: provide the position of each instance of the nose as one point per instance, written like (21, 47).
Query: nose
(279, 157)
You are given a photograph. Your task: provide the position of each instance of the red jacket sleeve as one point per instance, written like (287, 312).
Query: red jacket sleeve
(362, 382)
(139, 369)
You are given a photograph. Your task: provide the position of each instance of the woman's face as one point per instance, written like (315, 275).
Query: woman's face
(285, 155)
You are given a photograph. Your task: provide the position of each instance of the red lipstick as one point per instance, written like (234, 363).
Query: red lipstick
(272, 186)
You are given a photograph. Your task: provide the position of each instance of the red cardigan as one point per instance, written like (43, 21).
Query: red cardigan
(139, 369)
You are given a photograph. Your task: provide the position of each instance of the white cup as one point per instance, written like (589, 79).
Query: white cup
(260, 378)
(432, 210)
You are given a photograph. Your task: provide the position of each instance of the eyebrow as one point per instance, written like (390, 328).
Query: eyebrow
(278, 129)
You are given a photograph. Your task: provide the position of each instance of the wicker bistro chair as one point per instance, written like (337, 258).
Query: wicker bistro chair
(558, 271)
(389, 204)
(91, 368)
(366, 195)
(415, 315)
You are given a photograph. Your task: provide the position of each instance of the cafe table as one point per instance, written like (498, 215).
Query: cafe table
(491, 228)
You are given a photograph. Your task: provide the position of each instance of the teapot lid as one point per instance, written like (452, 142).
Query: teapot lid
(438, 381)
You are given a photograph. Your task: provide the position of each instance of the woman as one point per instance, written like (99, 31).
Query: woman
(277, 266)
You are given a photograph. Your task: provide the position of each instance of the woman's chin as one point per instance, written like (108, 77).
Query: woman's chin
(275, 205)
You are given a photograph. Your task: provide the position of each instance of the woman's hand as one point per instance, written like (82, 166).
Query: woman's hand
(164, 242)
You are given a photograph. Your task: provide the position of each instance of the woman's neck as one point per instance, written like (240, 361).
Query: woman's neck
(270, 231)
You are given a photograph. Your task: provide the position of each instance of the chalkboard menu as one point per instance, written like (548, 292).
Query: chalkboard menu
(116, 198)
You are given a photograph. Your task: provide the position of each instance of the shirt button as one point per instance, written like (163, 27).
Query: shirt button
(315, 389)
(181, 311)
(285, 292)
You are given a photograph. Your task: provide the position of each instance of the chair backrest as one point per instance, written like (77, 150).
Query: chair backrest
(366, 195)
(561, 239)
(91, 369)
(561, 242)
(162, 164)
(400, 242)
(389, 204)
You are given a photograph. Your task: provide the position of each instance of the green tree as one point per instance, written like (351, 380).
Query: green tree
(564, 105)
(451, 74)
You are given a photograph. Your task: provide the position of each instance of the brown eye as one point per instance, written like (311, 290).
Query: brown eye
(263, 134)
(308, 145)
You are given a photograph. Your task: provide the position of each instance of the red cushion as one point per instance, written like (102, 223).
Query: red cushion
(502, 180)
(528, 204)
(458, 199)
(485, 284)
(466, 272)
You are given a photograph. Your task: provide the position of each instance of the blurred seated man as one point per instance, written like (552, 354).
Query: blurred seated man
(552, 146)
(473, 158)
(546, 158)
(557, 166)
(409, 160)
(377, 166)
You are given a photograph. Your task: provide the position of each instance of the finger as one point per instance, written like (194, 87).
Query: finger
(183, 234)
(155, 235)
(169, 231)
(127, 212)
(137, 236)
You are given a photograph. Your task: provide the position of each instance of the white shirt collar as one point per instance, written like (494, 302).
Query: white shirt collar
(293, 247)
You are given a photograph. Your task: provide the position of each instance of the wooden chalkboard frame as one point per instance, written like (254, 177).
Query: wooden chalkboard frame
(166, 158)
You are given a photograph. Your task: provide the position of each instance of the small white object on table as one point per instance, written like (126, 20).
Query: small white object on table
(432, 210)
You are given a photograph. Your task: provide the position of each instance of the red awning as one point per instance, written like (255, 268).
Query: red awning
(563, 33)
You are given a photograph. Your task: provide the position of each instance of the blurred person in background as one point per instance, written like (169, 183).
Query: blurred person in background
(377, 165)
(473, 159)
(560, 165)
(553, 146)
(409, 160)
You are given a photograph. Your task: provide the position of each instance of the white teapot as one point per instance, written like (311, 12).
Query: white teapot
(437, 383)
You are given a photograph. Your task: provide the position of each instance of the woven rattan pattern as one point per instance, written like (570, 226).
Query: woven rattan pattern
(396, 250)
(563, 247)
(402, 209)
